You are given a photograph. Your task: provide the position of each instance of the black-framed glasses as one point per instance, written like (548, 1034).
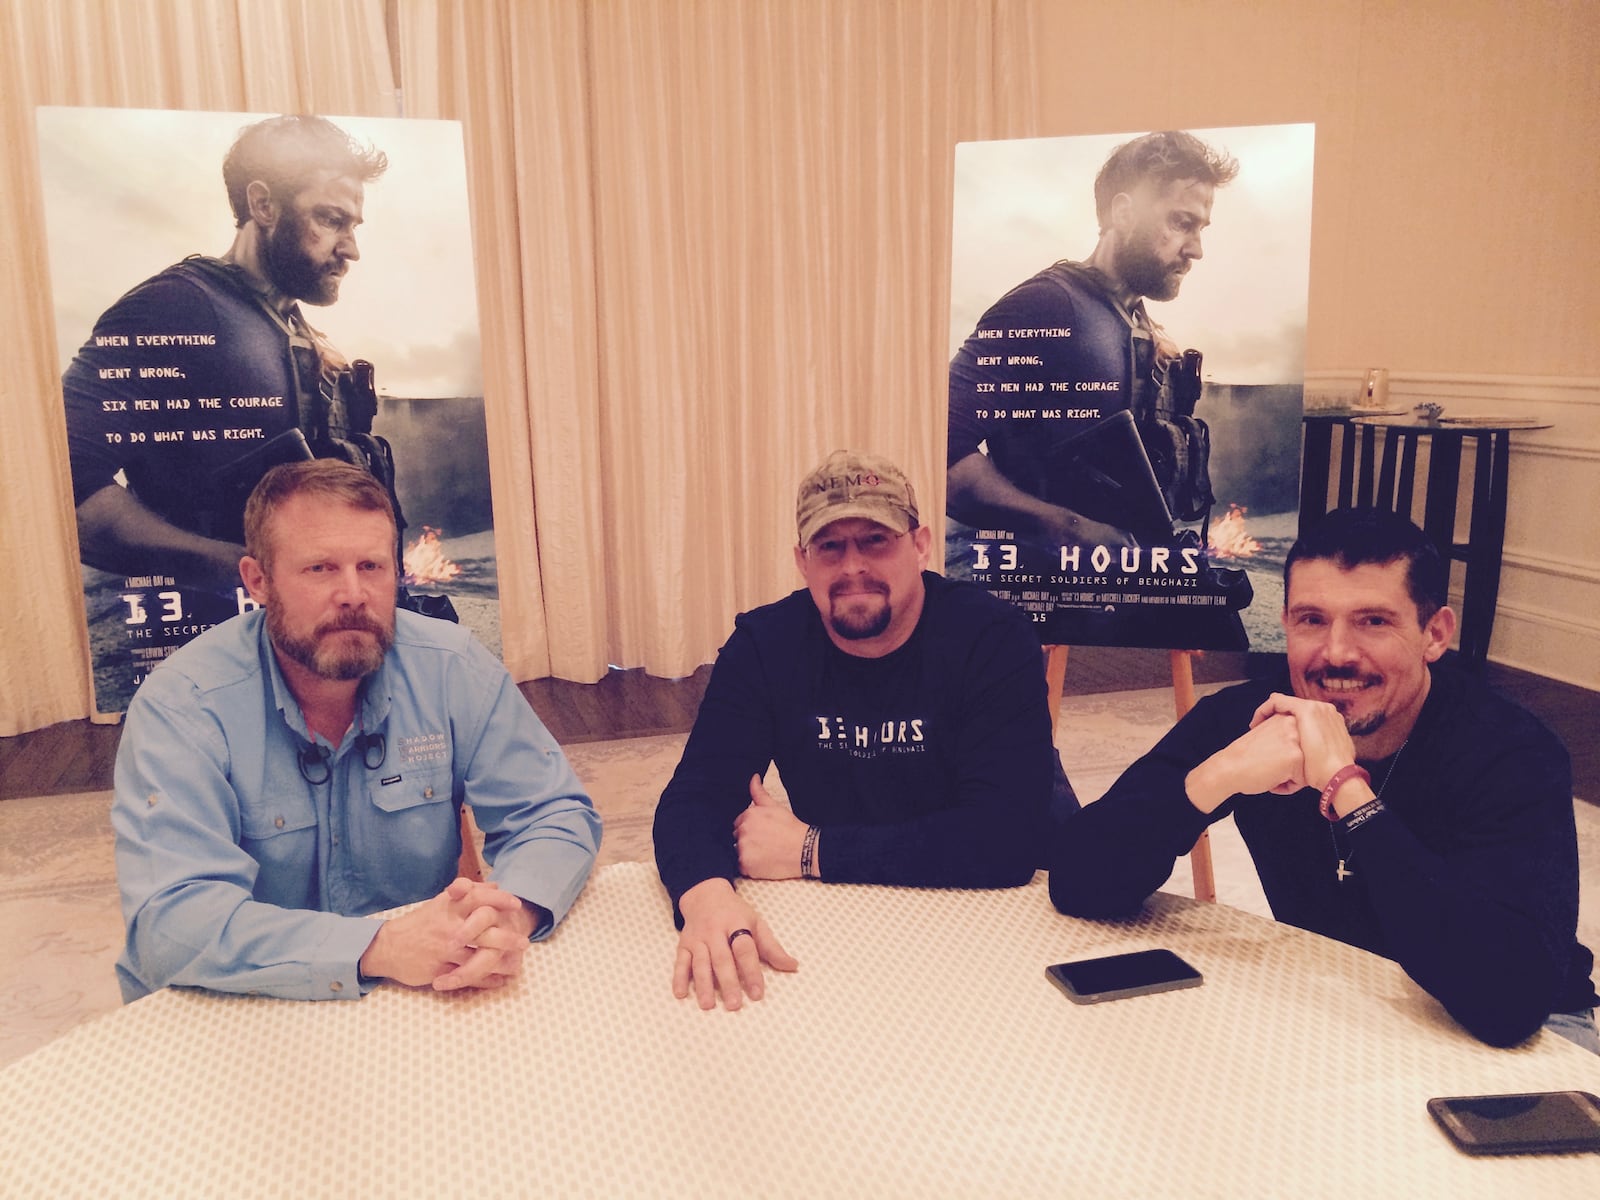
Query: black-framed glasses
(316, 764)
(830, 551)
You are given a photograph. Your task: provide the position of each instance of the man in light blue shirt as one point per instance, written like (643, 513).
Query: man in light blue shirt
(303, 765)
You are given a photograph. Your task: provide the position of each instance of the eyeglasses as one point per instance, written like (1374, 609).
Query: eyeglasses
(830, 551)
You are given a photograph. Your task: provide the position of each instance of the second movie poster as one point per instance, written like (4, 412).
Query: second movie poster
(1128, 319)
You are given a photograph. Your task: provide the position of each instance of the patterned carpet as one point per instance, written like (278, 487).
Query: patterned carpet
(61, 928)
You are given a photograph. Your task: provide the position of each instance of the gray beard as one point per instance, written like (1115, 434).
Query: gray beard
(356, 662)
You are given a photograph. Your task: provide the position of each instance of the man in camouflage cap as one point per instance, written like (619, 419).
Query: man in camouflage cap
(906, 715)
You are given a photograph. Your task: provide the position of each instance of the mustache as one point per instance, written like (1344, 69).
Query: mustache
(843, 585)
(1323, 674)
(354, 620)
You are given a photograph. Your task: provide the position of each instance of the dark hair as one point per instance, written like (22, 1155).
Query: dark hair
(284, 152)
(1352, 537)
(323, 478)
(1162, 157)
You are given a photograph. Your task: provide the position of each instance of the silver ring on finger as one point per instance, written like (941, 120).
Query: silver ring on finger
(737, 934)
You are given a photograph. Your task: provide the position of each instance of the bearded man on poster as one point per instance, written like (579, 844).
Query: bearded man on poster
(1072, 421)
(202, 377)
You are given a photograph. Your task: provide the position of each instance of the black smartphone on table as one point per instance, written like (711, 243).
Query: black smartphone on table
(1521, 1123)
(1091, 980)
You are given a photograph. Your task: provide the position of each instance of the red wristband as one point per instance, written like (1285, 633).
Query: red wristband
(1336, 781)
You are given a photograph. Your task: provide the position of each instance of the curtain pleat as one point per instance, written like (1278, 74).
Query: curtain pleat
(772, 228)
(515, 76)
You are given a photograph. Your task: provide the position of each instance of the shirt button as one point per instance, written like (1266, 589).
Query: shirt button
(427, 793)
(151, 800)
(336, 986)
(278, 822)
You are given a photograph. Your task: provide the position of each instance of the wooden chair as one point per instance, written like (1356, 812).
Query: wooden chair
(470, 865)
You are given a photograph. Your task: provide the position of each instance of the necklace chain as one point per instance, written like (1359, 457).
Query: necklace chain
(1343, 871)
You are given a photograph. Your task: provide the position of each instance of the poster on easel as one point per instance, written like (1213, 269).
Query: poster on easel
(1127, 339)
(236, 290)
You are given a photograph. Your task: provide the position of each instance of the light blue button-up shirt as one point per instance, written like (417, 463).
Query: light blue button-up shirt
(240, 874)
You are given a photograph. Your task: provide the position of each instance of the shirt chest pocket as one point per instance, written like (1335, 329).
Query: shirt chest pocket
(412, 790)
(410, 823)
(279, 830)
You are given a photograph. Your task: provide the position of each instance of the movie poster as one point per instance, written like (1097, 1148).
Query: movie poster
(187, 373)
(1127, 332)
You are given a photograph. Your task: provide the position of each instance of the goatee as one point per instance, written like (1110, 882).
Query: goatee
(859, 624)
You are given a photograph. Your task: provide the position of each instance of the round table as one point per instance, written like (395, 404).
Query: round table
(918, 1051)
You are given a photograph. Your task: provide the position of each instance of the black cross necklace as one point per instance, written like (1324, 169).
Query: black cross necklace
(1343, 871)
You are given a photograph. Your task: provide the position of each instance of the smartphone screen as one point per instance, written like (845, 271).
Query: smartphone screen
(1526, 1123)
(1091, 980)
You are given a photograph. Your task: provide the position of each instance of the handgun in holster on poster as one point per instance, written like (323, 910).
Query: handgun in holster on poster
(1177, 442)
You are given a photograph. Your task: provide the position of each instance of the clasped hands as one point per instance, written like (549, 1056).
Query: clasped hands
(471, 935)
(724, 940)
(1291, 744)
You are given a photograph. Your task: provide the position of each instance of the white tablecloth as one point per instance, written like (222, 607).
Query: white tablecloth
(919, 1051)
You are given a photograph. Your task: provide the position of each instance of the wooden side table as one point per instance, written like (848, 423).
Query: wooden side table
(1392, 484)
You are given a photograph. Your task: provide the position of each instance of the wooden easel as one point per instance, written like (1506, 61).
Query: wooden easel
(1055, 672)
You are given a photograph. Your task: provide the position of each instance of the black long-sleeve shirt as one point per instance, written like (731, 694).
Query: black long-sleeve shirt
(1469, 879)
(930, 766)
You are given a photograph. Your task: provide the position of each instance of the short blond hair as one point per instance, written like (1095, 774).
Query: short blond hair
(322, 478)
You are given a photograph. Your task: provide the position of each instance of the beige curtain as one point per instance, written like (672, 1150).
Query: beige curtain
(772, 210)
(515, 75)
(712, 246)
(310, 55)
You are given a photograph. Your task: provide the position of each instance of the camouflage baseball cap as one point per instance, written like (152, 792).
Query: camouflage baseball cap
(855, 485)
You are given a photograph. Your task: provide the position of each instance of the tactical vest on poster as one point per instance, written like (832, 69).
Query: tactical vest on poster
(334, 403)
(1162, 391)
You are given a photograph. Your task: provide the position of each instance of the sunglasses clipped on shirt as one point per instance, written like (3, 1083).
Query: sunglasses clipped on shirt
(830, 551)
(316, 765)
